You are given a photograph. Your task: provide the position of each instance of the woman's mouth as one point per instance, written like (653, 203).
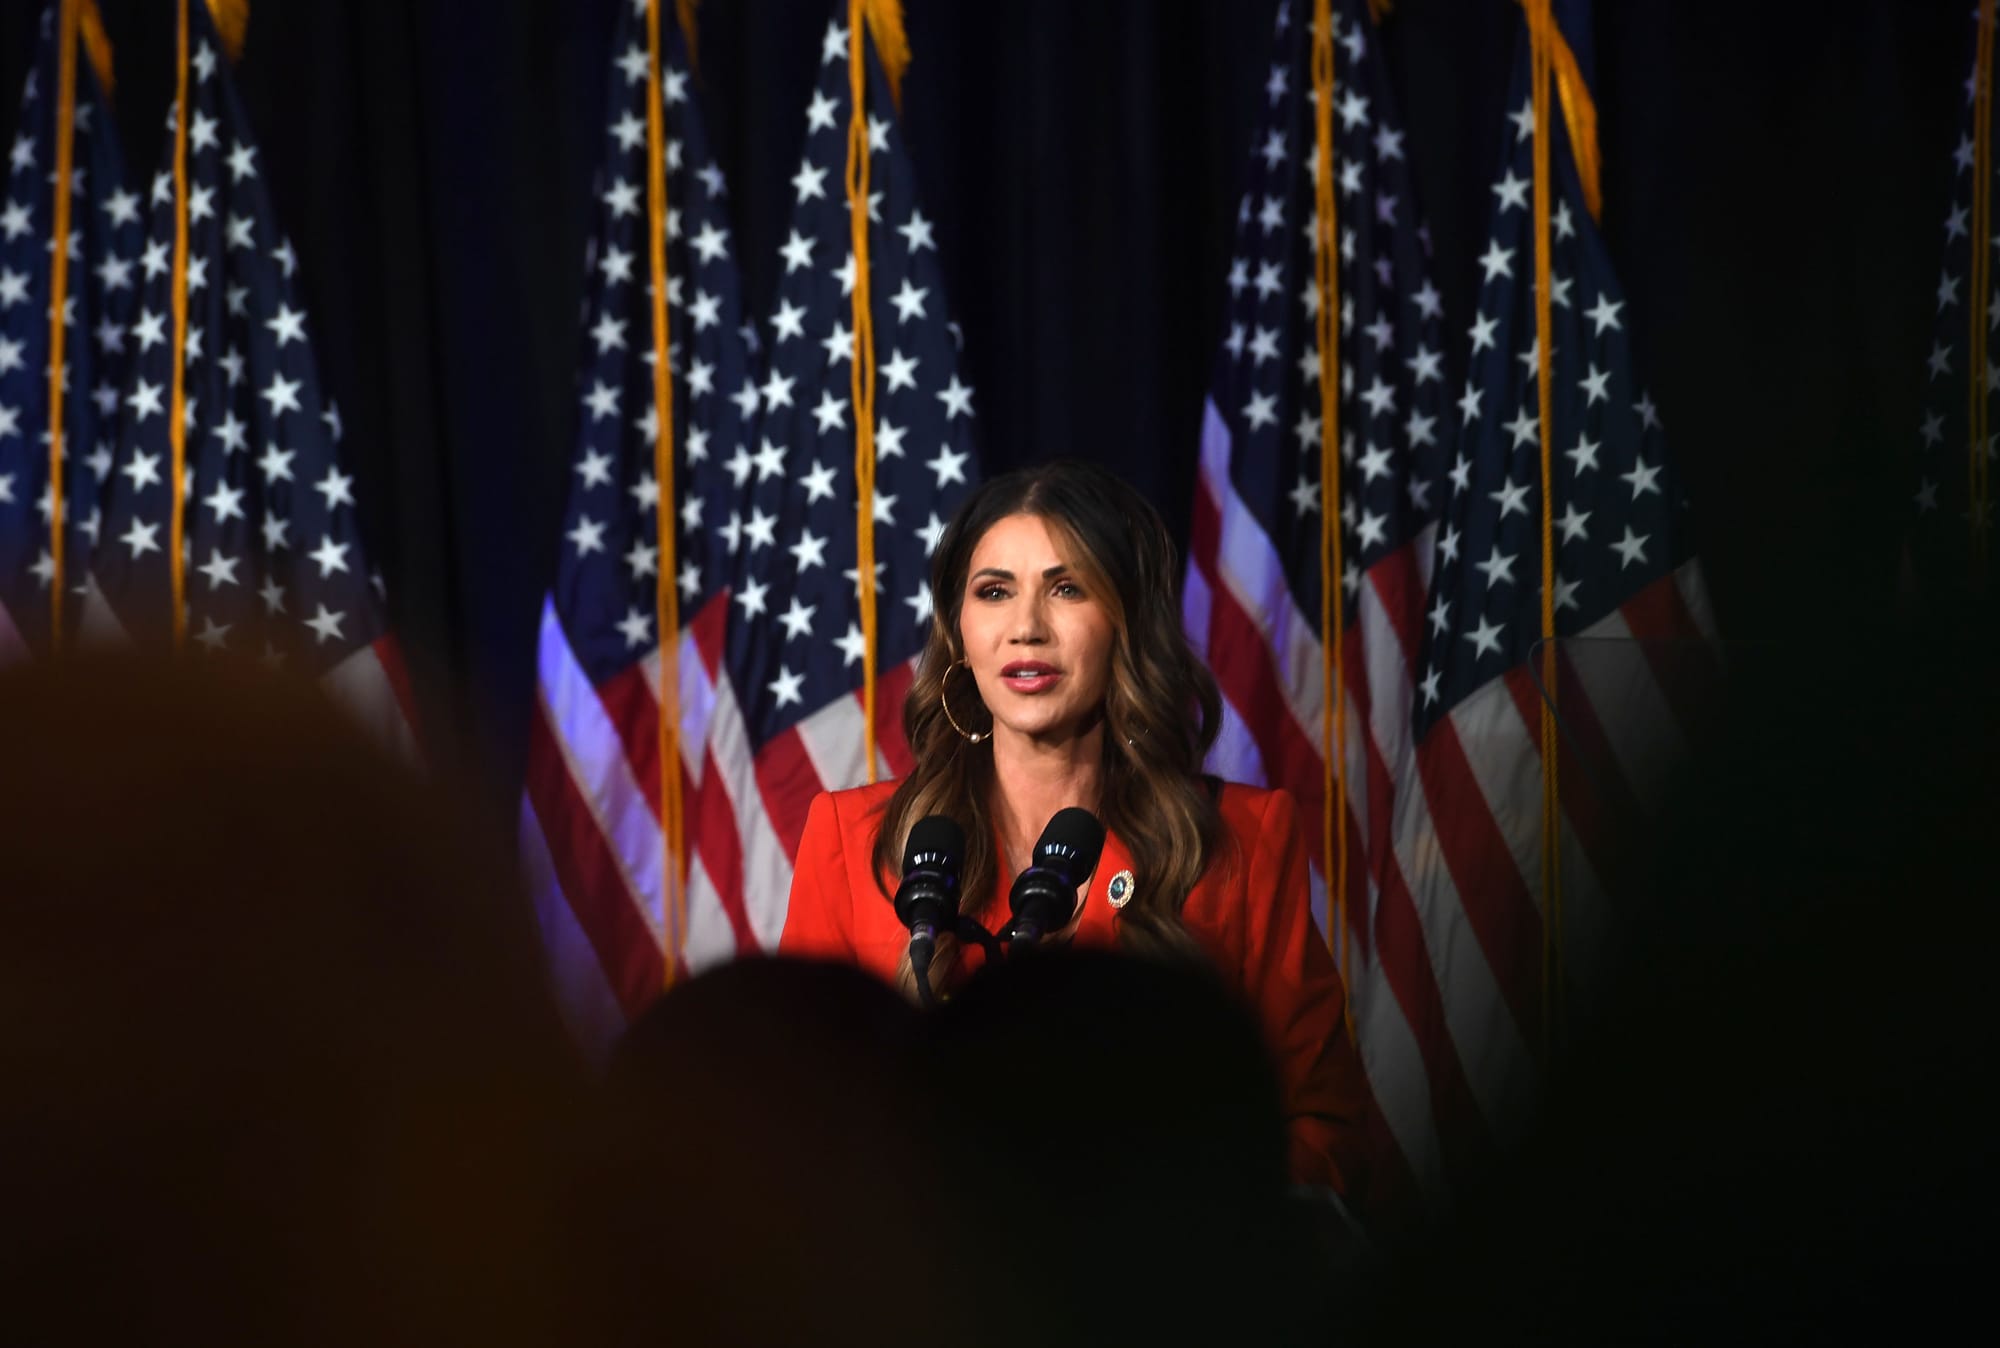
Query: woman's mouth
(1030, 676)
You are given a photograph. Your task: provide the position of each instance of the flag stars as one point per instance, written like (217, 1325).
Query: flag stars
(957, 399)
(818, 483)
(916, 232)
(809, 182)
(786, 689)
(1498, 262)
(1595, 386)
(282, 394)
(797, 618)
(326, 624)
(797, 252)
(809, 551)
(288, 325)
(1940, 357)
(1584, 456)
(219, 570)
(330, 556)
(1631, 548)
(587, 536)
(1643, 479)
(1271, 217)
(788, 322)
(637, 629)
(225, 503)
(908, 301)
(1947, 291)
(1260, 411)
(1485, 638)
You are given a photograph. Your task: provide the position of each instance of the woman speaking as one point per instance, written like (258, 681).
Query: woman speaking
(1056, 675)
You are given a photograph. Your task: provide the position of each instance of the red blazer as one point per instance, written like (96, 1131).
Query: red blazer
(1251, 911)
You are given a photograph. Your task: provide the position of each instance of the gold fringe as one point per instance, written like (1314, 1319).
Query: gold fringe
(1378, 10)
(1579, 117)
(684, 11)
(892, 43)
(232, 24)
(97, 44)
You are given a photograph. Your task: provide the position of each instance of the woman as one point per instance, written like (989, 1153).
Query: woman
(1055, 675)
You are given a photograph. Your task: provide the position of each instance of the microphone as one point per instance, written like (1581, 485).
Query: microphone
(927, 898)
(1043, 898)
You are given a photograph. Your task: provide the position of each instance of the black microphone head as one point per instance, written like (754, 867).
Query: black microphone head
(936, 843)
(932, 857)
(1071, 844)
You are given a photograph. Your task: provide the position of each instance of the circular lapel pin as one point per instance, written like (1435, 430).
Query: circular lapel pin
(1120, 889)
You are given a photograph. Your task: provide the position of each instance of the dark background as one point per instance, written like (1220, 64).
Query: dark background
(1775, 182)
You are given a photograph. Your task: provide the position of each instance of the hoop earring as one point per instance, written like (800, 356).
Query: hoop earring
(944, 701)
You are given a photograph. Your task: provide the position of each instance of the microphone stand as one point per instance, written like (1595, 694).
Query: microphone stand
(966, 930)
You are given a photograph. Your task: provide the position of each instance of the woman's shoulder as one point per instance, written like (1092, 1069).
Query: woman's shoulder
(1248, 809)
(850, 808)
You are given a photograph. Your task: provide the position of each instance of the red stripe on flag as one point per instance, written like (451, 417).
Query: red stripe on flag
(1490, 890)
(589, 874)
(389, 654)
(1403, 956)
(788, 781)
(890, 690)
(717, 839)
(1684, 661)
(1463, 1138)
(1239, 653)
(633, 709)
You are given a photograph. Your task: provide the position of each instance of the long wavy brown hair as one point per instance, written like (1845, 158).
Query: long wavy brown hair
(1161, 710)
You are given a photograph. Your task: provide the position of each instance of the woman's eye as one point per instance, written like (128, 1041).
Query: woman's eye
(990, 592)
(1069, 589)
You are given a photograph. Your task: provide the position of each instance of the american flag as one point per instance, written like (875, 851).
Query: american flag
(1633, 660)
(1940, 512)
(275, 568)
(771, 647)
(103, 249)
(1252, 601)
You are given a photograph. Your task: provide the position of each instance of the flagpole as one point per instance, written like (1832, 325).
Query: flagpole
(1541, 23)
(863, 373)
(1332, 608)
(666, 599)
(68, 23)
(177, 353)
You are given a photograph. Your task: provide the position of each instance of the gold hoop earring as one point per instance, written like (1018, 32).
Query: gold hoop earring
(944, 701)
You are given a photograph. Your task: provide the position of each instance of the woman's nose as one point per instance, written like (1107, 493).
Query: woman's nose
(1029, 625)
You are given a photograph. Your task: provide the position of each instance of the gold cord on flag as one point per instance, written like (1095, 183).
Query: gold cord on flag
(177, 353)
(1542, 37)
(1332, 609)
(67, 25)
(862, 375)
(232, 25)
(1978, 470)
(666, 599)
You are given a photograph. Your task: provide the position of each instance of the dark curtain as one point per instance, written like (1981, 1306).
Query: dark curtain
(1775, 181)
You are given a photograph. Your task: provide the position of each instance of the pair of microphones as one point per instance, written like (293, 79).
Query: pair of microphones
(1042, 899)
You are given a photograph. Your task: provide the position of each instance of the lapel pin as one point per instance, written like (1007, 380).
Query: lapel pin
(1120, 889)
